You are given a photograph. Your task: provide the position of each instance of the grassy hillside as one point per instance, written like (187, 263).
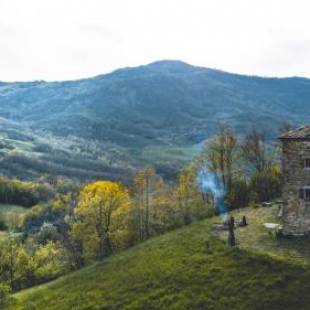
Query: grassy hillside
(190, 268)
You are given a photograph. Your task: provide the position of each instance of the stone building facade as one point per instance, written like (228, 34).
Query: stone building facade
(296, 181)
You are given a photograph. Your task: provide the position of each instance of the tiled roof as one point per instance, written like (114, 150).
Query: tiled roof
(302, 133)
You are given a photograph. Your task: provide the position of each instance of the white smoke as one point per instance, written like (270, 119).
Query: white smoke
(212, 183)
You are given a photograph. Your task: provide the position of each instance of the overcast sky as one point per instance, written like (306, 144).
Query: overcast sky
(69, 39)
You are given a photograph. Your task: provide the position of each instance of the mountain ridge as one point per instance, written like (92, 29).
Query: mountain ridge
(162, 105)
(152, 64)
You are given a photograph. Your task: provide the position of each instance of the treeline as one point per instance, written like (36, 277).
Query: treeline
(81, 224)
(26, 194)
(85, 224)
(55, 164)
(248, 168)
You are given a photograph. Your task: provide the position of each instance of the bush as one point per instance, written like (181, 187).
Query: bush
(5, 297)
(238, 196)
(25, 194)
(3, 225)
(266, 185)
(51, 261)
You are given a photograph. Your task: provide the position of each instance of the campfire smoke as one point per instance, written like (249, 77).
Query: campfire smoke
(211, 183)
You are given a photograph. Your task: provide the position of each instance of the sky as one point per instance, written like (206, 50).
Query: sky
(71, 39)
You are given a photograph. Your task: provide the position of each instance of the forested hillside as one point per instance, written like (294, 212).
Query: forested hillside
(156, 114)
(165, 101)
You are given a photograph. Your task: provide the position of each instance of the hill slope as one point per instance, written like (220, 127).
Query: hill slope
(185, 269)
(164, 102)
(155, 114)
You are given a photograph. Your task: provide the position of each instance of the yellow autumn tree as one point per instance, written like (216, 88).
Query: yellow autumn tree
(191, 202)
(187, 193)
(99, 217)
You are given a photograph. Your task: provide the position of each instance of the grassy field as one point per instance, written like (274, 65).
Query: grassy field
(191, 268)
(256, 238)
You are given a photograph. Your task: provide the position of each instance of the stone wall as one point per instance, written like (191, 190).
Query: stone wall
(296, 211)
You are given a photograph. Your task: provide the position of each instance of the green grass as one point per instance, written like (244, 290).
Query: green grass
(258, 239)
(164, 154)
(190, 268)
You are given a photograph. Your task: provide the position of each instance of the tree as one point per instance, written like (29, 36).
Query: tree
(5, 297)
(189, 198)
(254, 150)
(266, 185)
(99, 215)
(238, 195)
(50, 261)
(148, 186)
(13, 220)
(13, 262)
(220, 155)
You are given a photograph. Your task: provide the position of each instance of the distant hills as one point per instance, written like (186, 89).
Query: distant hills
(163, 105)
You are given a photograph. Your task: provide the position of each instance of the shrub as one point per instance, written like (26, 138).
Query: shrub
(238, 196)
(3, 225)
(266, 185)
(5, 297)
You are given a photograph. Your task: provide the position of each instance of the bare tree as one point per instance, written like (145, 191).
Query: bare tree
(254, 150)
(220, 154)
(147, 187)
(285, 127)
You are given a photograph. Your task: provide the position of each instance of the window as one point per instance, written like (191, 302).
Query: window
(307, 163)
(304, 193)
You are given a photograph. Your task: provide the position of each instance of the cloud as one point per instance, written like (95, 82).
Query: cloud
(56, 39)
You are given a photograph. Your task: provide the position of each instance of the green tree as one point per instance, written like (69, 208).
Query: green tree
(5, 298)
(238, 195)
(50, 261)
(99, 217)
(13, 262)
(266, 185)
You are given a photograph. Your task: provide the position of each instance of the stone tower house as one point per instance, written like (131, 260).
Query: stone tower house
(296, 181)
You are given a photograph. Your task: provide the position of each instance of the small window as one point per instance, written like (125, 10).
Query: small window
(307, 163)
(304, 193)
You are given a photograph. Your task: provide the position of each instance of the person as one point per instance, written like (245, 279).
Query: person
(232, 221)
(231, 233)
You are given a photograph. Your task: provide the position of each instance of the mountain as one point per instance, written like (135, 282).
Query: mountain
(166, 107)
(189, 268)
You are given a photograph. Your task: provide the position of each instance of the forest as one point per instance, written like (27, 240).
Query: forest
(68, 224)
